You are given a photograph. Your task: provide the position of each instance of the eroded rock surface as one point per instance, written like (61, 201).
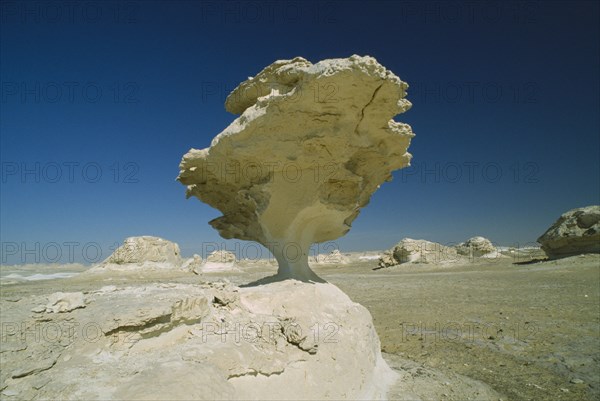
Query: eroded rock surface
(145, 251)
(476, 247)
(60, 302)
(312, 144)
(286, 340)
(221, 256)
(334, 257)
(575, 232)
(410, 250)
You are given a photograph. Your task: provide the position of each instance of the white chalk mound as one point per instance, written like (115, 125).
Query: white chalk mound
(220, 260)
(575, 232)
(285, 340)
(410, 250)
(221, 256)
(334, 257)
(144, 252)
(312, 144)
(476, 247)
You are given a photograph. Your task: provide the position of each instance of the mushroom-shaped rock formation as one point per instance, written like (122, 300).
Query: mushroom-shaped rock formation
(575, 232)
(312, 144)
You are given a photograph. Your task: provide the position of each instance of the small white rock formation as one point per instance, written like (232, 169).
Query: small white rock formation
(312, 144)
(334, 257)
(476, 247)
(410, 250)
(221, 256)
(575, 232)
(211, 341)
(61, 302)
(193, 264)
(219, 260)
(146, 252)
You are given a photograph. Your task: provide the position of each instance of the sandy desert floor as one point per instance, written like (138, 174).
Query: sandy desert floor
(530, 330)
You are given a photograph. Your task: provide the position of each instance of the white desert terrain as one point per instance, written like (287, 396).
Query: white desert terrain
(419, 321)
(516, 328)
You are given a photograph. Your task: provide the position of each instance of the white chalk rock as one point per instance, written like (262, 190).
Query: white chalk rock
(220, 260)
(575, 232)
(61, 302)
(284, 340)
(476, 247)
(193, 264)
(334, 257)
(313, 142)
(146, 252)
(410, 250)
(221, 256)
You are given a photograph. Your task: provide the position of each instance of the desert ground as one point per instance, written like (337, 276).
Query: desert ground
(528, 328)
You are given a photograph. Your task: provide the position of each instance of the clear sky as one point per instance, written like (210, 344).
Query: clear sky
(100, 99)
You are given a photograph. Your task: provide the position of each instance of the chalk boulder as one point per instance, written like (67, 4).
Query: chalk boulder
(146, 252)
(575, 232)
(312, 144)
(285, 340)
(410, 250)
(476, 247)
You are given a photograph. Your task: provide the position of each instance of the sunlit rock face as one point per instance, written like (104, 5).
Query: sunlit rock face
(145, 251)
(575, 232)
(475, 247)
(410, 250)
(312, 144)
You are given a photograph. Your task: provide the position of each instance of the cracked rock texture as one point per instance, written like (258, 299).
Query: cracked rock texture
(197, 341)
(575, 232)
(312, 144)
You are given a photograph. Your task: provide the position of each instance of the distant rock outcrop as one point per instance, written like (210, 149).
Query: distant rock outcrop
(575, 232)
(220, 260)
(221, 256)
(145, 251)
(476, 247)
(193, 264)
(334, 257)
(417, 251)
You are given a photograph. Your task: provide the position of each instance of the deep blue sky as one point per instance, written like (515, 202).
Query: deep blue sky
(125, 89)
